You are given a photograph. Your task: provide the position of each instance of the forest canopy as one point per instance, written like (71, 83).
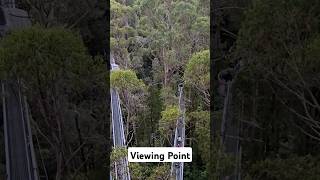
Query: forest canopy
(163, 44)
(275, 96)
(63, 86)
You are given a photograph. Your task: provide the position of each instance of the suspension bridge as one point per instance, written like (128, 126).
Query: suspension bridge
(121, 167)
(179, 138)
(20, 157)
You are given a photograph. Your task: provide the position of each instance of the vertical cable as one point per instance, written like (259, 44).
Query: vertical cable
(24, 130)
(4, 112)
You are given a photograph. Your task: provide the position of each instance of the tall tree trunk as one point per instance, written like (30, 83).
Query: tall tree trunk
(135, 132)
(83, 159)
(59, 164)
(216, 41)
(214, 54)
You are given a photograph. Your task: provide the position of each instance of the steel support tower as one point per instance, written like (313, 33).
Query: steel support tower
(179, 138)
(121, 168)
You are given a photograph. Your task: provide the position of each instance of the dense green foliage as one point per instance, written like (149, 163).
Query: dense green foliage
(275, 96)
(86, 17)
(197, 74)
(65, 89)
(125, 80)
(270, 122)
(164, 43)
(117, 154)
(304, 167)
(168, 121)
(271, 127)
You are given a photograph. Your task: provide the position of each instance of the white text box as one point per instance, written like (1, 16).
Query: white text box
(159, 154)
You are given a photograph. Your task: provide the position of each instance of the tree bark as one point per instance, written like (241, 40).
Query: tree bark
(83, 159)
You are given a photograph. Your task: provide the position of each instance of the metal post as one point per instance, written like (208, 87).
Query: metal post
(179, 131)
(4, 112)
(31, 147)
(119, 139)
(24, 130)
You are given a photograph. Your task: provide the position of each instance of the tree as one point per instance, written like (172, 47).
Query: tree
(168, 121)
(289, 168)
(201, 119)
(160, 172)
(59, 79)
(170, 34)
(132, 92)
(87, 17)
(197, 74)
(156, 39)
(125, 80)
(122, 34)
(288, 59)
(277, 91)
